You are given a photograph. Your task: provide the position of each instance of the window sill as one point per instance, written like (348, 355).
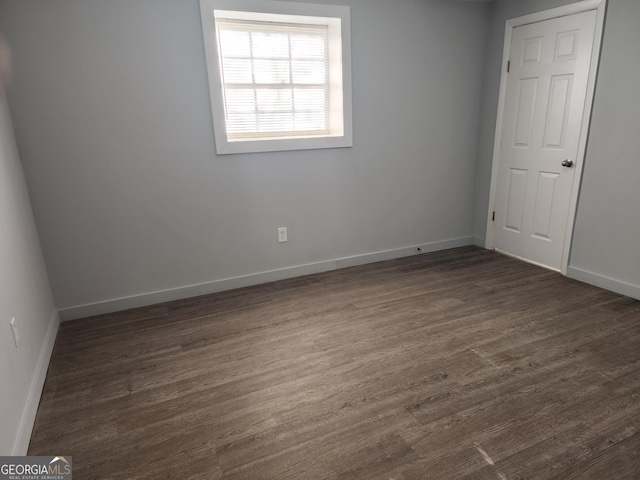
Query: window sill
(283, 144)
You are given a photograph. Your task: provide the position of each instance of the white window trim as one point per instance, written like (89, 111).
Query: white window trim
(223, 146)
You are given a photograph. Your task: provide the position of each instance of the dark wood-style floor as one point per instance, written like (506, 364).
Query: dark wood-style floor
(462, 364)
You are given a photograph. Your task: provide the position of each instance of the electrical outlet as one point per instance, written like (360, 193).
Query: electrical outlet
(14, 330)
(282, 234)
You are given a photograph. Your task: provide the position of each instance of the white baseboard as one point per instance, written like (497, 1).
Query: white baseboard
(400, 252)
(21, 443)
(478, 241)
(151, 298)
(602, 281)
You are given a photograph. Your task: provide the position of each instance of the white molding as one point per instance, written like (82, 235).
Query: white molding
(402, 252)
(565, 10)
(478, 241)
(571, 9)
(342, 138)
(27, 421)
(497, 139)
(151, 298)
(602, 281)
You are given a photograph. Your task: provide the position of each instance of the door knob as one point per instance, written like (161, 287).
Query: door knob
(567, 163)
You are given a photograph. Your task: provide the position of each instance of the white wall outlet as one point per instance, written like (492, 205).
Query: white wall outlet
(282, 234)
(14, 330)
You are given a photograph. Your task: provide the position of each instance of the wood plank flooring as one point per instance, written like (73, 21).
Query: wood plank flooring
(462, 364)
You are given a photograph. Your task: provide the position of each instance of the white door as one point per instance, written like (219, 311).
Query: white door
(544, 105)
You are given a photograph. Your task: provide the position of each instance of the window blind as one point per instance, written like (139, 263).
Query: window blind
(275, 78)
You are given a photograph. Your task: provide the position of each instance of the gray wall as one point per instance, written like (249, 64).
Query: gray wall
(25, 295)
(112, 115)
(607, 229)
(606, 243)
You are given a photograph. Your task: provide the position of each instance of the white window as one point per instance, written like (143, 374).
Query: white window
(279, 75)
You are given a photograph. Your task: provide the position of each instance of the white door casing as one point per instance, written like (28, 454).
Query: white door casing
(545, 103)
(546, 88)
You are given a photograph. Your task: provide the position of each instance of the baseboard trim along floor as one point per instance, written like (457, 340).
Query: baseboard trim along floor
(151, 298)
(602, 281)
(461, 363)
(21, 443)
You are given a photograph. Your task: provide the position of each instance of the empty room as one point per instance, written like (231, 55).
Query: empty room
(341, 239)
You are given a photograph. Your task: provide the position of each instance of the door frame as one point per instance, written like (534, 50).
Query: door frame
(584, 6)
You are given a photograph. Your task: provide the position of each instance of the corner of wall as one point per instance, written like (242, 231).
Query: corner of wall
(479, 241)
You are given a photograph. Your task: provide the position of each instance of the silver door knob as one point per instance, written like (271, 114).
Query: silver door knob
(567, 163)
